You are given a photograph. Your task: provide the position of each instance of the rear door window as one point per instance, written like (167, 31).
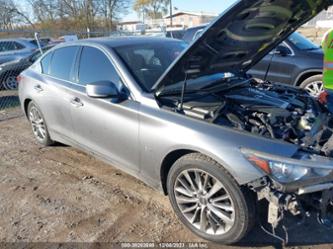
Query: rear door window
(95, 66)
(62, 62)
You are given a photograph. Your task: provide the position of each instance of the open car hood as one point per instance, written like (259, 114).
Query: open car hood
(240, 37)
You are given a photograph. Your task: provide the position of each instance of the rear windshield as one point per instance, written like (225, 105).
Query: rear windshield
(301, 42)
(147, 62)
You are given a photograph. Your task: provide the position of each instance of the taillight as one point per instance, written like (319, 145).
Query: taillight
(19, 79)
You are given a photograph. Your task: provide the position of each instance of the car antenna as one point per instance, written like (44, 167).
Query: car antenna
(181, 102)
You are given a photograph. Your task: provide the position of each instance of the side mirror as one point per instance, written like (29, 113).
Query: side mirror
(104, 89)
(282, 50)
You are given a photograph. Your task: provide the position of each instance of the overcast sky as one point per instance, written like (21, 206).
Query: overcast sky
(215, 6)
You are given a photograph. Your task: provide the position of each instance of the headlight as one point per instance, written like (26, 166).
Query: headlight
(286, 170)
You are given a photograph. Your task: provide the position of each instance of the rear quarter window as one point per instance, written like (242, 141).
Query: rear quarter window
(62, 62)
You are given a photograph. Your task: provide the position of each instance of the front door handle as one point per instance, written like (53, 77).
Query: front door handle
(76, 102)
(38, 88)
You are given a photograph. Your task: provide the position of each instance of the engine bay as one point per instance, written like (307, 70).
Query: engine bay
(269, 110)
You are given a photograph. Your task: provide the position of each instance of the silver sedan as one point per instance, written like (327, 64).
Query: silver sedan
(189, 120)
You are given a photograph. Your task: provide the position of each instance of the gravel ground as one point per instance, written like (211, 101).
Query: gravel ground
(60, 194)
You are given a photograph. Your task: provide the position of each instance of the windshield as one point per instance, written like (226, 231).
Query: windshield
(301, 42)
(147, 62)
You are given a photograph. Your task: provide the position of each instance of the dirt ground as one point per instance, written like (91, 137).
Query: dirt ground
(60, 194)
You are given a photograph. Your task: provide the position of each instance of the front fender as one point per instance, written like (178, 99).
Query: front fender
(163, 132)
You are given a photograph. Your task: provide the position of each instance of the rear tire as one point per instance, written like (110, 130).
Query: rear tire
(313, 85)
(10, 83)
(38, 125)
(223, 217)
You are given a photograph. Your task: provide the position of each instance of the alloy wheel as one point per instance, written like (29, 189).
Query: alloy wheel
(204, 202)
(315, 88)
(37, 123)
(10, 83)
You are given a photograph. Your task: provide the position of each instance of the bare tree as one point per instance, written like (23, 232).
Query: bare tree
(152, 8)
(62, 14)
(112, 10)
(44, 10)
(11, 16)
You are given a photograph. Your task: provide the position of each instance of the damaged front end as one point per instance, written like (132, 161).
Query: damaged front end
(300, 188)
(264, 109)
(208, 82)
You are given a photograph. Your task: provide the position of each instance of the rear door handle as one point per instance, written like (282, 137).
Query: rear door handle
(76, 102)
(38, 88)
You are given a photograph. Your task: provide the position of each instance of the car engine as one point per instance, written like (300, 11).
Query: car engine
(270, 110)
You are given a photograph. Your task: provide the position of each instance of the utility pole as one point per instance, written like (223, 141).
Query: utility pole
(171, 8)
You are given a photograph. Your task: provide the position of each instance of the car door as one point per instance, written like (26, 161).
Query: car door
(105, 126)
(260, 69)
(56, 87)
(280, 66)
(283, 65)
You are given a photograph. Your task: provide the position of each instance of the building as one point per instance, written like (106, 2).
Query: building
(323, 20)
(180, 20)
(130, 26)
(188, 19)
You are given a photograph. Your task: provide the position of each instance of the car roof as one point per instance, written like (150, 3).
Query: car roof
(16, 39)
(124, 41)
(197, 27)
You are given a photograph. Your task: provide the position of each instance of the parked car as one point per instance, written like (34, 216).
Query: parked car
(43, 41)
(175, 34)
(191, 34)
(15, 49)
(191, 122)
(296, 61)
(10, 70)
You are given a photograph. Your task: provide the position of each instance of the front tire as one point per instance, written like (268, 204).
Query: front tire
(209, 201)
(313, 85)
(38, 125)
